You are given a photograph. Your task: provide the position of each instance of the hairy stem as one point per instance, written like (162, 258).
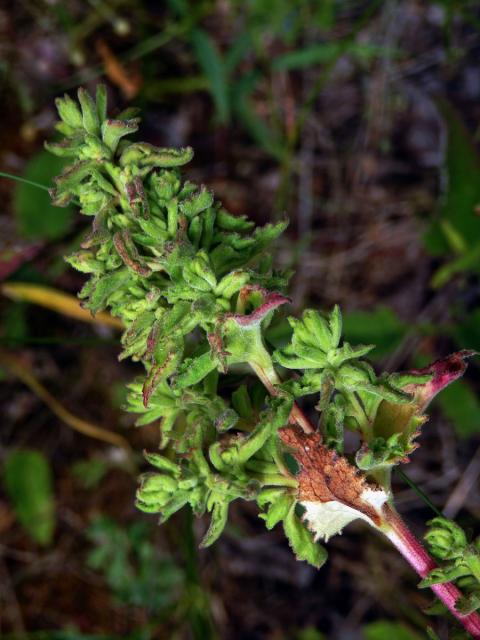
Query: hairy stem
(419, 559)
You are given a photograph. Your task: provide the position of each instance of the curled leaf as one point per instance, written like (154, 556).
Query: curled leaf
(217, 523)
(300, 539)
(270, 302)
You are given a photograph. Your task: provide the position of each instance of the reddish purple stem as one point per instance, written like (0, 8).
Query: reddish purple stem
(415, 554)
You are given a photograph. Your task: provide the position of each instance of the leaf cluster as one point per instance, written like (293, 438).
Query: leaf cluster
(195, 290)
(350, 394)
(192, 286)
(459, 562)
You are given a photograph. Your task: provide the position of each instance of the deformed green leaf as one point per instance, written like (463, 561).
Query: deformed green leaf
(194, 370)
(217, 523)
(301, 541)
(100, 289)
(271, 420)
(114, 130)
(162, 463)
(89, 112)
(278, 510)
(242, 403)
(197, 203)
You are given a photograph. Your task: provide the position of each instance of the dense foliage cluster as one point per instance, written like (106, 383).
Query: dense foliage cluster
(197, 294)
(459, 561)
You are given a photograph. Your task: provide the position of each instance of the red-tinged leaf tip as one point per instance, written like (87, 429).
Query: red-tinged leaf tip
(152, 340)
(443, 372)
(271, 301)
(154, 378)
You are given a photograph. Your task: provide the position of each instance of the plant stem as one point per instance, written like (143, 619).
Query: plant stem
(10, 176)
(394, 528)
(419, 559)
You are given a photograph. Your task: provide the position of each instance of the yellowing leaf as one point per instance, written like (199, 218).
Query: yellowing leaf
(57, 301)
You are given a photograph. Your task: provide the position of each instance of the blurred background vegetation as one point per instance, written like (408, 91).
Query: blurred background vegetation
(356, 119)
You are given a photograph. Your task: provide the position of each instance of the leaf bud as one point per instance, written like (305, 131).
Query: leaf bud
(69, 112)
(85, 262)
(197, 203)
(89, 112)
(114, 130)
(154, 482)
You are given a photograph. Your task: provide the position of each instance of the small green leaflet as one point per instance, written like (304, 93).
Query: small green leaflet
(301, 541)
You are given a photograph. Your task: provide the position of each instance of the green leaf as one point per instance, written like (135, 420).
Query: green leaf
(193, 370)
(445, 539)
(114, 130)
(302, 58)
(217, 523)
(271, 420)
(153, 482)
(381, 452)
(36, 217)
(383, 629)
(90, 472)
(162, 463)
(301, 541)
(467, 330)
(327, 52)
(314, 329)
(333, 419)
(196, 203)
(242, 403)
(260, 131)
(143, 154)
(29, 485)
(229, 222)
(457, 228)
(278, 510)
(101, 100)
(381, 326)
(69, 112)
(212, 65)
(460, 404)
(314, 343)
(468, 261)
(89, 112)
(100, 289)
(167, 358)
